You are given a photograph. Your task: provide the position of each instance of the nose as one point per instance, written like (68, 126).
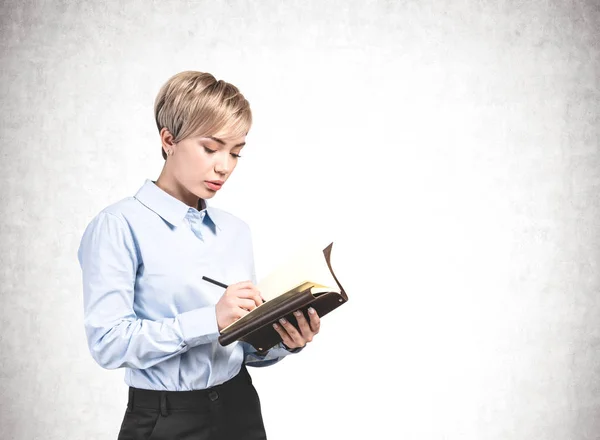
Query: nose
(222, 164)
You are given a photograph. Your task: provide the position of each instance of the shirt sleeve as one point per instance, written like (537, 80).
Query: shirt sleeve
(116, 336)
(274, 355)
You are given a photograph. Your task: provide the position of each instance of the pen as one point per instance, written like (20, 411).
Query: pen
(218, 283)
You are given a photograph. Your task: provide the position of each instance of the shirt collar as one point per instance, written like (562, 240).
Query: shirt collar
(168, 207)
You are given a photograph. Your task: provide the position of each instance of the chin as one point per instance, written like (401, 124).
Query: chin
(205, 194)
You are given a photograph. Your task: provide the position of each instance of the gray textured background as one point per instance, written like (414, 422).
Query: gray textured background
(452, 148)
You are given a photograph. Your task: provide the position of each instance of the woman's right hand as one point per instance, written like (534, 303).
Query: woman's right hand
(237, 301)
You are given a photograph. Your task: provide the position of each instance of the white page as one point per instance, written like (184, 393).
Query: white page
(307, 264)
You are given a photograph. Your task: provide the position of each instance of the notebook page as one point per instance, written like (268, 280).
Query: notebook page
(308, 264)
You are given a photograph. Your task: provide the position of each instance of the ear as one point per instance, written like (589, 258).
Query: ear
(167, 139)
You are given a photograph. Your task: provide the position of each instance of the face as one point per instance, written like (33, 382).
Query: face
(201, 165)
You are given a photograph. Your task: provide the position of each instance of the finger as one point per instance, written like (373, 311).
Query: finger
(285, 337)
(239, 313)
(246, 304)
(303, 326)
(250, 293)
(262, 299)
(237, 288)
(293, 332)
(241, 285)
(315, 321)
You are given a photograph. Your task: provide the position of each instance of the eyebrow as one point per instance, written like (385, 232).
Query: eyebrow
(223, 143)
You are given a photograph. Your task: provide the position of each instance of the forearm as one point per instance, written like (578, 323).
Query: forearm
(141, 343)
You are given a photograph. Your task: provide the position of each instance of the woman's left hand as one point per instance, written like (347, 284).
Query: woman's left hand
(294, 337)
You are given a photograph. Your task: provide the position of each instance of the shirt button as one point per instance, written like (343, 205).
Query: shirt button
(213, 395)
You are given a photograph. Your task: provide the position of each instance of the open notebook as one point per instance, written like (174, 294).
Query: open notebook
(305, 280)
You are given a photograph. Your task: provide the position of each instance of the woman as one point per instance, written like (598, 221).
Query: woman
(146, 307)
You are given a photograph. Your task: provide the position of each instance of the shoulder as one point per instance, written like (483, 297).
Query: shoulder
(109, 229)
(115, 216)
(122, 212)
(122, 209)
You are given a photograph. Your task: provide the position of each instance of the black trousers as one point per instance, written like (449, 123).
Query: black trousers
(225, 412)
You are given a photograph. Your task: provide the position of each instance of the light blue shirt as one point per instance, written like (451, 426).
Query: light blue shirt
(146, 307)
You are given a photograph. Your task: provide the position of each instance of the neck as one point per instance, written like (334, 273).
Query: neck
(175, 189)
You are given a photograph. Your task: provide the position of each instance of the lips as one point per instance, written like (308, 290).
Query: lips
(214, 185)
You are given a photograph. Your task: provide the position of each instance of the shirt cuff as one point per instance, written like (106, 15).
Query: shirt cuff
(199, 326)
(280, 350)
(291, 350)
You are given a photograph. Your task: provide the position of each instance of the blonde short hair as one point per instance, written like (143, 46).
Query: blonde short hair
(196, 104)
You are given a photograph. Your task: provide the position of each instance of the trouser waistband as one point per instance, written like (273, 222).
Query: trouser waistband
(197, 400)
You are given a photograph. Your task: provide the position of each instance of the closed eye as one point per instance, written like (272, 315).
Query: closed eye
(209, 151)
